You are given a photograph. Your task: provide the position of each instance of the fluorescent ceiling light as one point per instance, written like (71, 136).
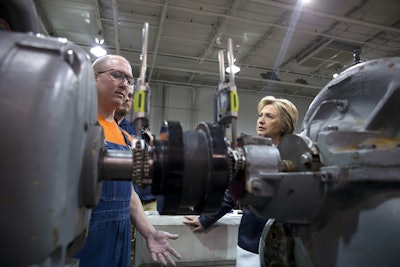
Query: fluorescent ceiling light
(98, 51)
(235, 69)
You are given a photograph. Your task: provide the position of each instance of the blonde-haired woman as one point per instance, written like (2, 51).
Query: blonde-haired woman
(276, 118)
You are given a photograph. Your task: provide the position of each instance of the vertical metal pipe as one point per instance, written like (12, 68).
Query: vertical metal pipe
(115, 21)
(221, 60)
(145, 36)
(231, 61)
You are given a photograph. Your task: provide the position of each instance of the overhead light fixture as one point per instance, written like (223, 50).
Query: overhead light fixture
(98, 50)
(335, 75)
(235, 69)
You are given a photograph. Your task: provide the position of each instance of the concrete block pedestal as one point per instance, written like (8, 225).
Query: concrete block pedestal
(214, 247)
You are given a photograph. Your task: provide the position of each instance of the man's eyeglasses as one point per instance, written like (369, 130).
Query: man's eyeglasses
(119, 75)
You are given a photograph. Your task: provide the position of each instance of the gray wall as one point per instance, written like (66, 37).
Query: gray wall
(191, 106)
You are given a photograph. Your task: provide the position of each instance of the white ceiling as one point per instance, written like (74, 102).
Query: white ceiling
(304, 45)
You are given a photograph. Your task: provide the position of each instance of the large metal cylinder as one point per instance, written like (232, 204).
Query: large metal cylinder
(190, 169)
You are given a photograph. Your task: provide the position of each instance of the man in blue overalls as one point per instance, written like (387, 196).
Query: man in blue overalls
(108, 241)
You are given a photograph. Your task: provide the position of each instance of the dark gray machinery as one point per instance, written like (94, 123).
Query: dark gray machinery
(333, 190)
(54, 159)
(336, 186)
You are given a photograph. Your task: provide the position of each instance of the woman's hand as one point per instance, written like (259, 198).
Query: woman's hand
(193, 220)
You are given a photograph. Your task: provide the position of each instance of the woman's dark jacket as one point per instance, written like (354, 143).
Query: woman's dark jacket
(250, 228)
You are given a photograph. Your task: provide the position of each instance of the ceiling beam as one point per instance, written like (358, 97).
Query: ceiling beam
(158, 38)
(241, 77)
(314, 12)
(185, 84)
(254, 22)
(261, 69)
(215, 32)
(261, 41)
(216, 29)
(316, 45)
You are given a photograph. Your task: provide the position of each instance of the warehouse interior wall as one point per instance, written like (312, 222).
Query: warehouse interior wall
(191, 106)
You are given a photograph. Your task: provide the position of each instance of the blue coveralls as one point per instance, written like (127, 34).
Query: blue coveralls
(108, 241)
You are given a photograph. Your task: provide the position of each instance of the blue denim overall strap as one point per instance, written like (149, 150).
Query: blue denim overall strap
(108, 242)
